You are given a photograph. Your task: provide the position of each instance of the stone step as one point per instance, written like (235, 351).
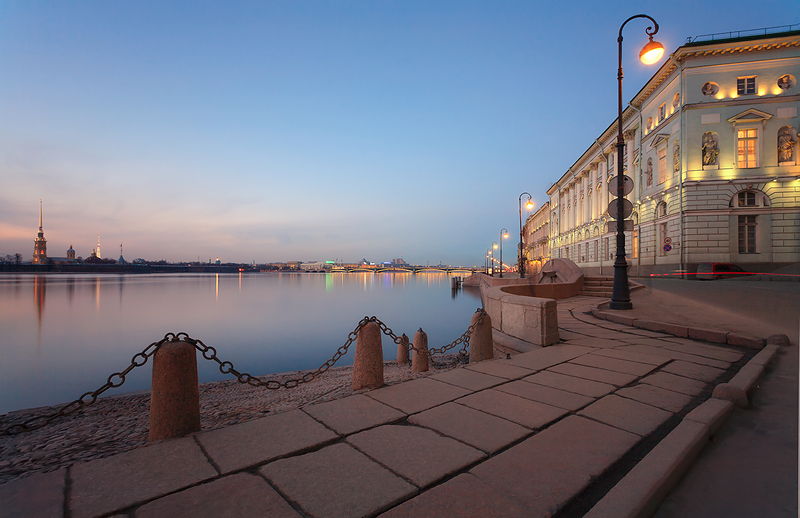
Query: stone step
(604, 294)
(596, 289)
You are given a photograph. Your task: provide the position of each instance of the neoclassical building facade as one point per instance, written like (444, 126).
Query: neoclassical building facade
(711, 144)
(536, 239)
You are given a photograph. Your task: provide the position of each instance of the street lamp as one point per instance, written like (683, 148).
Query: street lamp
(503, 235)
(650, 54)
(528, 207)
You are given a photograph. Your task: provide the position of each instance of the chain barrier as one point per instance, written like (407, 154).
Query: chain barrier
(117, 379)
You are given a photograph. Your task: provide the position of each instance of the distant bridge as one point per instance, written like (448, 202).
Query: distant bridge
(407, 269)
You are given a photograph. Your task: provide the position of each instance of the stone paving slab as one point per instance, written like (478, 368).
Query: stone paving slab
(709, 351)
(40, 495)
(353, 413)
(588, 341)
(656, 396)
(501, 368)
(570, 383)
(242, 494)
(547, 395)
(675, 383)
(694, 371)
(417, 395)
(553, 466)
(549, 356)
(106, 485)
(593, 373)
(630, 415)
(468, 379)
(418, 454)
(254, 442)
(479, 429)
(337, 481)
(625, 353)
(531, 414)
(676, 355)
(465, 496)
(613, 364)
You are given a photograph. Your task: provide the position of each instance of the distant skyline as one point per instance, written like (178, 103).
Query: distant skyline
(274, 131)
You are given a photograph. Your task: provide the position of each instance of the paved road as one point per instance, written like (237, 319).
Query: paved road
(751, 467)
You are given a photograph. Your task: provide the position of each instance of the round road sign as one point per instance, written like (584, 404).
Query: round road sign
(667, 240)
(627, 185)
(627, 208)
(667, 248)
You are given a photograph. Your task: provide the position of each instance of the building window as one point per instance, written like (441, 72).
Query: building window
(662, 112)
(747, 199)
(746, 85)
(747, 234)
(747, 146)
(662, 234)
(636, 243)
(662, 165)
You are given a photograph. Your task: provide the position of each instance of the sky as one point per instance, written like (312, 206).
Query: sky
(309, 130)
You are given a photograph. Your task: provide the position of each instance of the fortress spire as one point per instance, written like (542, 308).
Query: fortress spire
(40, 243)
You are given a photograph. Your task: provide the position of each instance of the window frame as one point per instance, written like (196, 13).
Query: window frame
(749, 229)
(756, 147)
(742, 87)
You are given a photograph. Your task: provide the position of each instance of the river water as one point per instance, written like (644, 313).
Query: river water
(62, 335)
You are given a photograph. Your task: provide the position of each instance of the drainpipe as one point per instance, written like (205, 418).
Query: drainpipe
(683, 163)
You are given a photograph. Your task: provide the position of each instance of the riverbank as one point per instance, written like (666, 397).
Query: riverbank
(120, 423)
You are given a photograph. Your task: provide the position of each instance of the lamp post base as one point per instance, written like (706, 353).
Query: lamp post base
(620, 305)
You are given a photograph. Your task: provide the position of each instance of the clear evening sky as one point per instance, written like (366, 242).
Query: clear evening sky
(307, 130)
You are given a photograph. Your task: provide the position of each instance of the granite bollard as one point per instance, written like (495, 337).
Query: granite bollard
(368, 366)
(402, 350)
(481, 346)
(175, 397)
(419, 361)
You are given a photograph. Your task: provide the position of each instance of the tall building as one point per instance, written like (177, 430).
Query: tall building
(535, 239)
(40, 243)
(71, 253)
(711, 147)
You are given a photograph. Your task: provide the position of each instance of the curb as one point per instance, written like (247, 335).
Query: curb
(738, 388)
(642, 489)
(697, 333)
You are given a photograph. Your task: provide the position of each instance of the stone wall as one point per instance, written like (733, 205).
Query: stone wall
(532, 319)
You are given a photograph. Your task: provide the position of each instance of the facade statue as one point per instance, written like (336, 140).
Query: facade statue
(710, 88)
(786, 144)
(710, 148)
(785, 82)
(676, 158)
(649, 172)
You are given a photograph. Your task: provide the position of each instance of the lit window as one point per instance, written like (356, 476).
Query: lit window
(747, 145)
(636, 243)
(662, 112)
(747, 199)
(747, 234)
(746, 85)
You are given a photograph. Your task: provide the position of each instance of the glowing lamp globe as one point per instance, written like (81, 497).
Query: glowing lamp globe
(652, 52)
(505, 236)
(529, 205)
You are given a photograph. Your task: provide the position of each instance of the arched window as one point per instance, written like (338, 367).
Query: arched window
(661, 209)
(749, 198)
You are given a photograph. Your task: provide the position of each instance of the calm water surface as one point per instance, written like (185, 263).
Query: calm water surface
(62, 335)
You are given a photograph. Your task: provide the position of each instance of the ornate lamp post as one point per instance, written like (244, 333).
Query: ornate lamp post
(651, 53)
(529, 207)
(492, 260)
(503, 235)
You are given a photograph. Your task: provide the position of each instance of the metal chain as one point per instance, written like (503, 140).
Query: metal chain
(116, 379)
(113, 381)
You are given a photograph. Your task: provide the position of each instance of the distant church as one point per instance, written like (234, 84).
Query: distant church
(40, 243)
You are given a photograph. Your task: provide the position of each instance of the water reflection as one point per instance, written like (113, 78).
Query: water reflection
(63, 334)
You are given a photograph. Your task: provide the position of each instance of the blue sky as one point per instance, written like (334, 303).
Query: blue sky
(309, 130)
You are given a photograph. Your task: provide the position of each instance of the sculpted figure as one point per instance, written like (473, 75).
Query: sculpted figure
(785, 82)
(649, 171)
(710, 148)
(676, 158)
(710, 88)
(786, 144)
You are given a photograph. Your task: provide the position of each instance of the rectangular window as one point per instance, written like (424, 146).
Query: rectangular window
(746, 85)
(747, 234)
(662, 112)
(636, 243)
(747, 147)
(662, 234)
(747, 199)
(662, 165)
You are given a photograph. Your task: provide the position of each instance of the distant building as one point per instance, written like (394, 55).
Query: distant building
(121, 259)
(71, 253)
(399, 262)
(40, 243)
(535, 237)
(315, 266)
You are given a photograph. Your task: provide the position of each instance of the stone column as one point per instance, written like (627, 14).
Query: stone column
(419, 361)
(402, 350)
(175, 397)
(368, 365)
(481, 346)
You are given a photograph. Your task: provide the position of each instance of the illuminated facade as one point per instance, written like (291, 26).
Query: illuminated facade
(40, 243)
(711, 144)
(535, 237)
